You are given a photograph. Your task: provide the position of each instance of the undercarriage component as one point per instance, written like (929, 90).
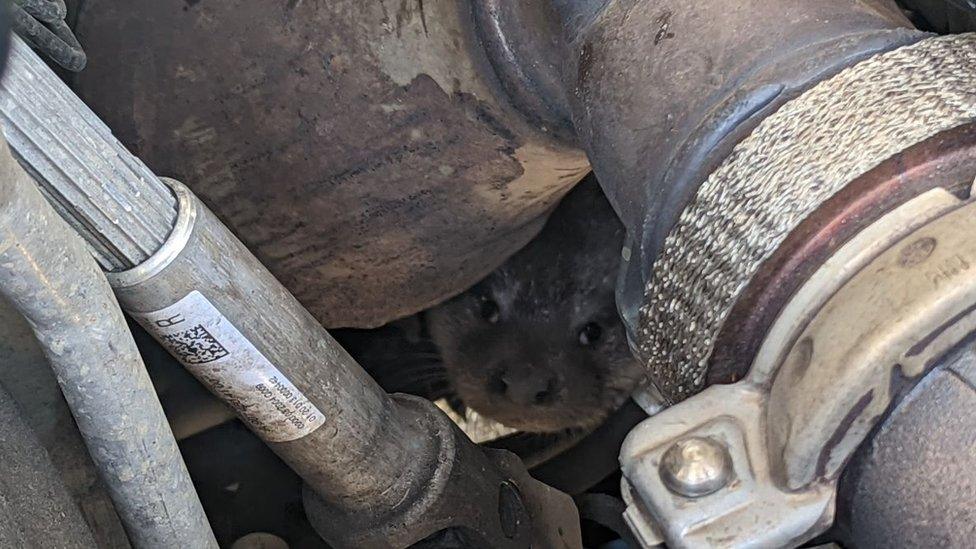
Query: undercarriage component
(68, 150)
(660, 92)
(828, 258)
(48, 275)
(378, 132)
(795, 160)
(384, 471)
(882, 309)
(225, 317)
(910, 484)
(402, 123)
(542, 75)
(481, 498)
(794, 177)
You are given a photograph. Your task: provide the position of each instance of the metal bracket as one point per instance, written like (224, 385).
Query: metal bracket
(888, 303)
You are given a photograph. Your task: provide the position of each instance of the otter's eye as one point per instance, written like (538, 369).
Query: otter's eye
(590, 334)
(489, 310)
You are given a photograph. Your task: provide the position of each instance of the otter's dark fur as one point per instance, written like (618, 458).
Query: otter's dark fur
(538, 345)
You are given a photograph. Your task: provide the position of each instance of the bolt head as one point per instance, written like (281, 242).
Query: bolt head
(511, 510)
(696, 466)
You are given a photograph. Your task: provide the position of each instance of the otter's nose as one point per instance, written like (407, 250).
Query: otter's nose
(527, 386)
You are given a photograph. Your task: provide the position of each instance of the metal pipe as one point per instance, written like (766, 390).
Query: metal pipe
(47, 273)
(125, 214)
(658, 94)
(103, 191)
(686, 82)
(715, 72)
(215, 307)
(387, 470)
(384, 471)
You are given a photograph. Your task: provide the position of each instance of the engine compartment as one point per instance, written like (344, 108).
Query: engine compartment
(674, 275)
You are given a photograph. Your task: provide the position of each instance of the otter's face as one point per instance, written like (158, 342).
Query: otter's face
(536, 364)
(539, 345)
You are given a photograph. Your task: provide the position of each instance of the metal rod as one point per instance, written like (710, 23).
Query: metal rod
(47, 273)
(368, 453)
(283, 374)
(215, 307)
(104, 192)
(384, 470)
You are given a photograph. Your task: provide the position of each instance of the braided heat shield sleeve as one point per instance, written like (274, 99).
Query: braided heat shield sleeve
(792, 163)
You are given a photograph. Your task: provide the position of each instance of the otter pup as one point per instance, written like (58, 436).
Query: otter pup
(538, 345)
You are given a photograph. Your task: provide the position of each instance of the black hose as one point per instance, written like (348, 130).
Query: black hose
(41, 23)
(46, 11)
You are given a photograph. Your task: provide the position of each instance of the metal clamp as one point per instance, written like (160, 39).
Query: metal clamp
(756, 463)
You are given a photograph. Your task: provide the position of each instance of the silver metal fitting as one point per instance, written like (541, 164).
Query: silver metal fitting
(171, 248)
(695, 467)
(901, 292)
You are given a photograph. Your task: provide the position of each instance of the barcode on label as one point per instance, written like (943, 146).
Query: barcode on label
(224, 360)
(195, 346)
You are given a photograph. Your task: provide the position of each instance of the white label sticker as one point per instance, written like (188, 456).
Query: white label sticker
(219, 355)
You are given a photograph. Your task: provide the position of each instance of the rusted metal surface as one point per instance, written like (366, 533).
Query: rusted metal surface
(484, 497)
(364, 151)
(662, 91)
(385, 471)
(946, 160)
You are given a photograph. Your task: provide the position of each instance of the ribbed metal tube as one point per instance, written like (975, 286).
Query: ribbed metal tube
(118, 206)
